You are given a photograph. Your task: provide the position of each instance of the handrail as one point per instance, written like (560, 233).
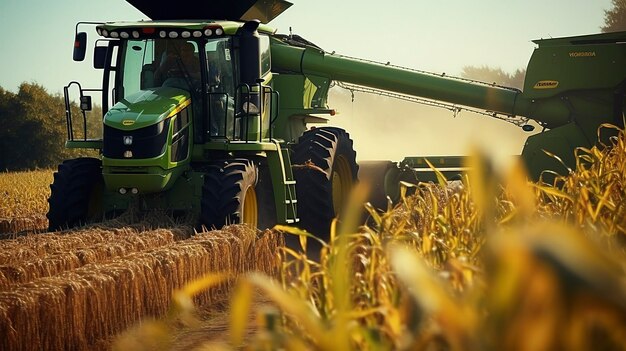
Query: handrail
(68, 109)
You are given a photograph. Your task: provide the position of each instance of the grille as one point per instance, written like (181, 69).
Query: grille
(147, 142)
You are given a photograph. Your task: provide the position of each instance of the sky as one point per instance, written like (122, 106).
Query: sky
(36, 37)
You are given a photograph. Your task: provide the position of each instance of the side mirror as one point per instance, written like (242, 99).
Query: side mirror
(80, 46)
(85, 103)
(99, 56)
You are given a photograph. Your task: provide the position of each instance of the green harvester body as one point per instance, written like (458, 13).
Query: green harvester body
(160, 148)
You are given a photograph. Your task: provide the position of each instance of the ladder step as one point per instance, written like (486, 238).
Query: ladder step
(290, 182)
(287, 202)
(291, 221)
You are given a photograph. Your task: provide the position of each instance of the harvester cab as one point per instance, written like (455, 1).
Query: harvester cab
(181, 100)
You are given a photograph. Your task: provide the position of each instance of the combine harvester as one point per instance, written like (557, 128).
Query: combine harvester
(210, 117)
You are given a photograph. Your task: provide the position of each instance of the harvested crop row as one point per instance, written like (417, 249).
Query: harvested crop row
(246, 250)
(53, 264)
(23, 248)
(37, 246)
(36, 222)
(80, 308)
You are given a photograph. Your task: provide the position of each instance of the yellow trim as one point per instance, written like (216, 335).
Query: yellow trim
(546, 84)
(341, 182)
(179, 108)
(250, 208)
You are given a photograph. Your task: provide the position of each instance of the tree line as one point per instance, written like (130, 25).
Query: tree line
(34, 131)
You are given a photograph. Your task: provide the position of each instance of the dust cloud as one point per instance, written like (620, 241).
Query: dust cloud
(389, 129)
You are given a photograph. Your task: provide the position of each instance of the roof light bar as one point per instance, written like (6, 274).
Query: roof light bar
(153, 32)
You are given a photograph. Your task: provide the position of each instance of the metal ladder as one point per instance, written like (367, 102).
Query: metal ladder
(291, 203)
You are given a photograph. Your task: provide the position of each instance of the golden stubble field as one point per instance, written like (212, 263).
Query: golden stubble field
(24, 204)
(491, 263)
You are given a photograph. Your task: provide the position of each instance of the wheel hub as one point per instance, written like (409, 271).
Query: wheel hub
(250, 208)
(341, 182)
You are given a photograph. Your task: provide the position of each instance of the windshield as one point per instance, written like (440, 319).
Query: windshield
(184, 64)
(152, 63)
(149, 63)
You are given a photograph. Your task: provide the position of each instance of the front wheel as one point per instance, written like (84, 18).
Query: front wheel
(76, 193)
(233, 194)
(325, 170)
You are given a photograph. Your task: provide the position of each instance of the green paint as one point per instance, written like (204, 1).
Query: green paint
(184, 195)
(559, 141)
(313, 62)
(145, 108)
(150, 175)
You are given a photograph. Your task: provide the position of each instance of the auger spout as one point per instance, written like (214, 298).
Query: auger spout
(308, 61)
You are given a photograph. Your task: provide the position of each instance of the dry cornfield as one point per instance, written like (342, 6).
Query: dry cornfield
(471, 265)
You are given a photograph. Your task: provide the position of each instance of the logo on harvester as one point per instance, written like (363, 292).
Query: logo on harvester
(582, 54)
(128, 122)
(546, 84)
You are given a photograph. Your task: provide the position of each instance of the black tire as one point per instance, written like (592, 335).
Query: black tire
(265, 197)
(76, 194)
(228, 186)
(318, 157)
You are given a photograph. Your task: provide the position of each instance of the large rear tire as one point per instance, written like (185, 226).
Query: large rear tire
(235, 193)
(76, 194)
(325, 171)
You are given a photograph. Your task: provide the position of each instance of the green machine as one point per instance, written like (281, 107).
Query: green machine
(211, 117)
